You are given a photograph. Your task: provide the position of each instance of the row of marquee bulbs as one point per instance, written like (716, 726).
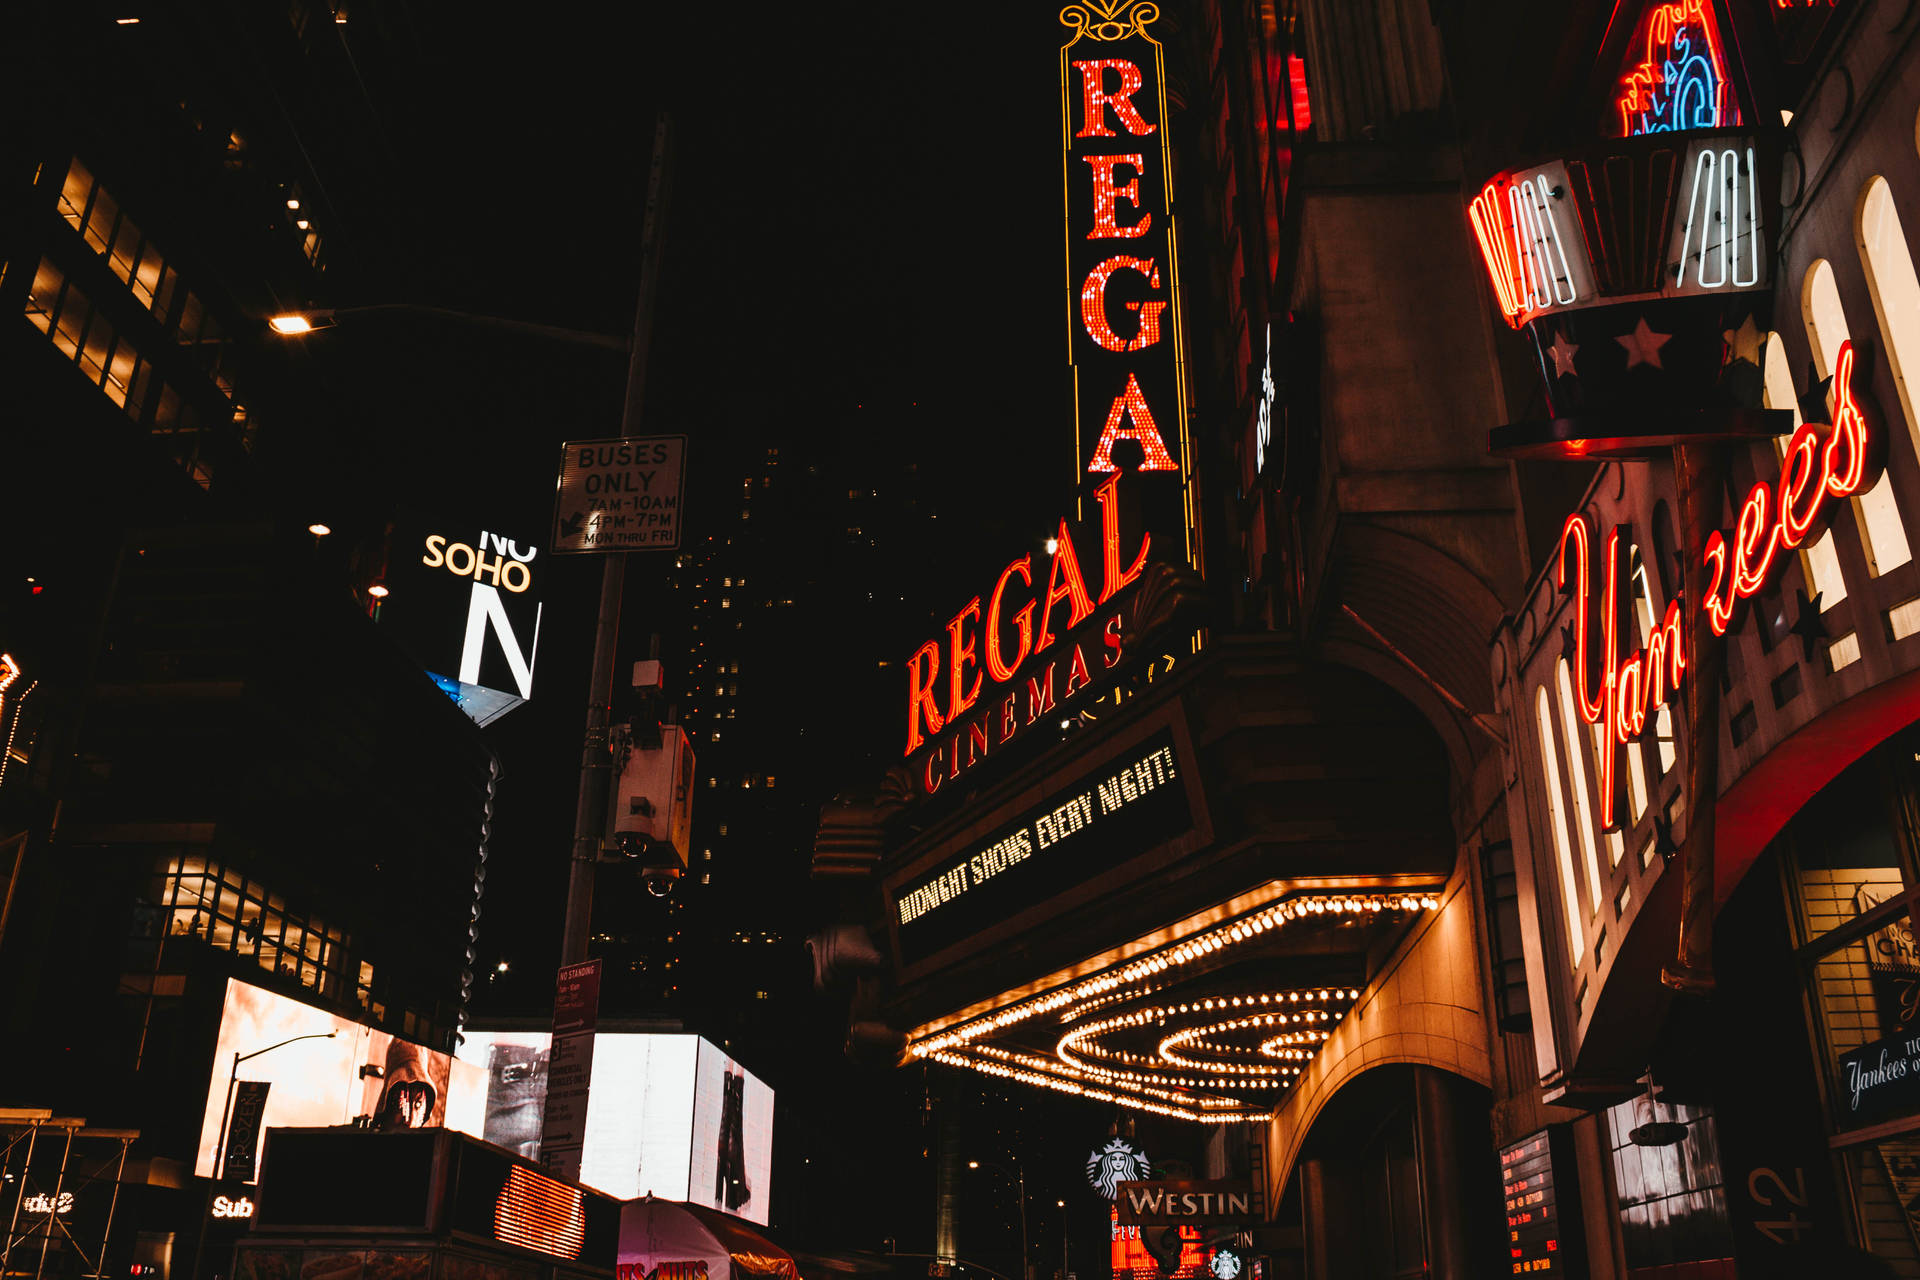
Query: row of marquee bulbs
(1160, 1016)
(1237, 1074)
(1048, 1078)
(1083, 1037)
(1179, 954)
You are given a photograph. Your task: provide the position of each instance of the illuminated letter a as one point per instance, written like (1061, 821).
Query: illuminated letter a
(1132, 404)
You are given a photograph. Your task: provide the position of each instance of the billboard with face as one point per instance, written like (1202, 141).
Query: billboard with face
(322, 1069)
(670, 1116)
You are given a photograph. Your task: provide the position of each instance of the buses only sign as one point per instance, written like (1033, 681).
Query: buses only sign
(620, 495)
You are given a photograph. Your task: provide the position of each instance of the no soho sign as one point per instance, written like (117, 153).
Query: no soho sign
(620, 495)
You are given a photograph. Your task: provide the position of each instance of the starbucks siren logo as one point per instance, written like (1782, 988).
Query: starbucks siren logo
(1117, 1162)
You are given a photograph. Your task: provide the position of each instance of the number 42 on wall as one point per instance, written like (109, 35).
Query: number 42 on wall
(1792, 1223)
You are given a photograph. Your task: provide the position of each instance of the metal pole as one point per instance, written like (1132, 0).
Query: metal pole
(53, 1205)
(106, 1237)
(1020, 1174)
(19, 1198)
(213, 1177)
(596, 765)
(1699, 477)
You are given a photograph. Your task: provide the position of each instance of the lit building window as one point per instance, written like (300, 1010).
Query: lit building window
(1820, 563)
(1895, 289)
(90, 210)
(1663, 718)
(1882, 535)
(231, 913)
(1557, 819)
(58, 308)
(1577, 778)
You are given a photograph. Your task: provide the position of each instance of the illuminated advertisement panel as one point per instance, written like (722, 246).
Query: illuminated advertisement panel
(322, 1069)
(670, 1115)
(465, 603)
(732, 1138)
(1123, 286)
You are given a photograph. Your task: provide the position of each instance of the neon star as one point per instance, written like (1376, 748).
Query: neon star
(1643, 344)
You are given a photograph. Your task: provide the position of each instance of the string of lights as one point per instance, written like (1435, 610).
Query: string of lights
(1205, 1045)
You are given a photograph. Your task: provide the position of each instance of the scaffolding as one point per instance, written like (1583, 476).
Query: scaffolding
(41, 1210)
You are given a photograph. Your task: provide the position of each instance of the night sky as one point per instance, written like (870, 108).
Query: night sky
(863, 220)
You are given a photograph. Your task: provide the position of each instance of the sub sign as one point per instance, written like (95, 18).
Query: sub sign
(620, 495)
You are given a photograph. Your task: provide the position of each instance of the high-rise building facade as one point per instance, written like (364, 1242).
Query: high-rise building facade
(222, 783)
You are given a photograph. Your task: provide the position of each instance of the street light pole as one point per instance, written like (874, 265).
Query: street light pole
(1020, 1183)
(220, 1147)
(596, 764)
(1063, 1238)
(294, 324)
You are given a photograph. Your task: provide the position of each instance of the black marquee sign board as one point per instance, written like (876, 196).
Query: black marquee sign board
(1123, 808)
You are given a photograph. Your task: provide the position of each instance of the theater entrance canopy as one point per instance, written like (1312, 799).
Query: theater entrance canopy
(1172, 905)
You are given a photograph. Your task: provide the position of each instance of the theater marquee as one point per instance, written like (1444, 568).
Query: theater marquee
(1123, 277)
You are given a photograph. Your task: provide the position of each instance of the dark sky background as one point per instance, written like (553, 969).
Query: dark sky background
(864, 216)
(865, 211)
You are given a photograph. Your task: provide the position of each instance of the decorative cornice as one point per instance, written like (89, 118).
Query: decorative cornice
(1109, 19)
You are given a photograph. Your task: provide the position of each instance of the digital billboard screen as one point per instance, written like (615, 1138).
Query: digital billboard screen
(670, 1115)
(732, 1138)
(314, 1081)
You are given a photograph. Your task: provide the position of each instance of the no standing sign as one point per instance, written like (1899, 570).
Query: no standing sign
(620, 495)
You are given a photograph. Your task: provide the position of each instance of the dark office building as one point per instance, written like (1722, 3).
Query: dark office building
(219, 776)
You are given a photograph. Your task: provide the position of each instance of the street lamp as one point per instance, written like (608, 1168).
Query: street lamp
(1019, 1176)
(590, 814)
(220, 1148)
(1063, 1238)
(296, 324)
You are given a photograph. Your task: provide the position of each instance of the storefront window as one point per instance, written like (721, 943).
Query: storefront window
(1851, 858)
(1673, 1201)
(231, 913)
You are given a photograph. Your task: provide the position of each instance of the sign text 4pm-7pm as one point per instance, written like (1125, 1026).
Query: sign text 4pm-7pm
(620, 495)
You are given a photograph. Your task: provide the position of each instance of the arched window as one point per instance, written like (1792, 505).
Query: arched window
(1557, 819)
(1882, 535)
(1895, 290)
(1644, 614)
(1819, 561)
(1578, 777)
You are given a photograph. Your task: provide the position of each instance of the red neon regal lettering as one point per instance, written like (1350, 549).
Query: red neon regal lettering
(1131, 405)
(978, 657)
(1107, 194)
(1093, 305)
(1095, 100)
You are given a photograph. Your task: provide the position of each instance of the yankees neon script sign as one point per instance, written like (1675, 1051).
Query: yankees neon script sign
(1822, 463)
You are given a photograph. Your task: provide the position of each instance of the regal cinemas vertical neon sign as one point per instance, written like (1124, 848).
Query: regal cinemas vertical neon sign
(1123, 279)
(1822, 463)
